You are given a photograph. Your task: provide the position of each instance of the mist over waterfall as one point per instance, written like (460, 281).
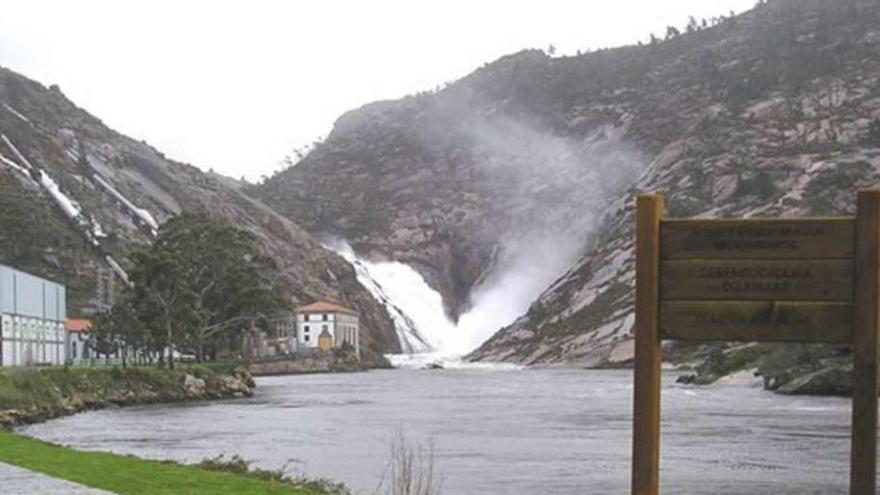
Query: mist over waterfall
(558, 191)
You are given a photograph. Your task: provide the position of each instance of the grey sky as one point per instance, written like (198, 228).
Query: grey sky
(235, 86)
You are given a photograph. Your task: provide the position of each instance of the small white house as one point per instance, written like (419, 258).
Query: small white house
(333, 320)
(78, 340)
(32, 312)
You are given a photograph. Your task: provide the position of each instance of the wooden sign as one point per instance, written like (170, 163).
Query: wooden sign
(757, 280)
(786, 280)
(823, 238)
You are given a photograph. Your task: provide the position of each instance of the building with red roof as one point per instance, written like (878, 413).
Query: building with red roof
(337, 324)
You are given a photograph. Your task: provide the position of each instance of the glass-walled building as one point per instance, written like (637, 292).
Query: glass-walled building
(32, 312)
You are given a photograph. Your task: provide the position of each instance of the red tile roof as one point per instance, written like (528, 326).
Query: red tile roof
(77, 326)
(325, 307)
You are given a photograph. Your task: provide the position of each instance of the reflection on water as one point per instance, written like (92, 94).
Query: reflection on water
(496, 432)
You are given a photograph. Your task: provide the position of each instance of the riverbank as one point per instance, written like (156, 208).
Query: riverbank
(788, 369)
(324, 362)
(128, 475)
(30, 395)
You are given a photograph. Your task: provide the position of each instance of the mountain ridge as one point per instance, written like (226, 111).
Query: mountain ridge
(773, 112)
(119, 185)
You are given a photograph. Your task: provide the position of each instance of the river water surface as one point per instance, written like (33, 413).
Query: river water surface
(495, 432)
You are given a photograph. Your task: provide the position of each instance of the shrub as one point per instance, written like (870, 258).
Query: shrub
(760, 185)
(411, 469)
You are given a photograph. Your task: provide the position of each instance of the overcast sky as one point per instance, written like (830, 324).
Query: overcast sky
(235, 86)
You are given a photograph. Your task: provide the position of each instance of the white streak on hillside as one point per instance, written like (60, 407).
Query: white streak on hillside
(118, 270)
(135, 210)
(14, 166)
(89, 227)
(17, 153)
(16, 113)
(70, 207)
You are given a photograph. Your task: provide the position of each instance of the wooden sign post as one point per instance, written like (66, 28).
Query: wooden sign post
(783, 280)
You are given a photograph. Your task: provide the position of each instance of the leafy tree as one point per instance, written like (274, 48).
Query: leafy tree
(164, 298)
(201, 282)
(102, 335)
(120, 330)
(672, 32)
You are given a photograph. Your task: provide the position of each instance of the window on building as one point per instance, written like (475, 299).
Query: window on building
(307, 317)
(74, 349)
(306, 338)
(325, 317)
(306, 329)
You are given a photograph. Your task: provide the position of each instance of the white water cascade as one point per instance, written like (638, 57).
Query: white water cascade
(425, 332)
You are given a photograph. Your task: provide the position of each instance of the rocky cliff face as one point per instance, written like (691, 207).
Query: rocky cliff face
(110, 192)
(775, 112)
(467, 181)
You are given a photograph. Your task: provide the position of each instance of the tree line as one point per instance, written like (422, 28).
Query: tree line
(196, 289)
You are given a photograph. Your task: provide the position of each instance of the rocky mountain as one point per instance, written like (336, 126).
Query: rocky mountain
(534, 159)
(77, 197)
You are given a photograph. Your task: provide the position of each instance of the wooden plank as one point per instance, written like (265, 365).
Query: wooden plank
(757, 321)
(863, 454)
(762, 280)
(646, 391)
(758, 239)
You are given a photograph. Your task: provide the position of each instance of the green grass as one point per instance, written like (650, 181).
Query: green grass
(127, 475)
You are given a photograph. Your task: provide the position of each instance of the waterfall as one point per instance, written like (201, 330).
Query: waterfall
(424, 330)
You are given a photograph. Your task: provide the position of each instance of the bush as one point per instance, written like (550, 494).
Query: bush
(760, 185)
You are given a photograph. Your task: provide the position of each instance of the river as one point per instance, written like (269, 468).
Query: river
(534, 431)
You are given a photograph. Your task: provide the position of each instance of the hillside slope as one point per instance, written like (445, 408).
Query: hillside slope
(775, 112)
(56, 157)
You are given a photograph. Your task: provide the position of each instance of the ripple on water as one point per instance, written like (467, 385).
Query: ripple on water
(495, 432)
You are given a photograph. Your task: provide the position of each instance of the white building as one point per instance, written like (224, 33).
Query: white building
(32, 312)
(77, 341)
(327, 318)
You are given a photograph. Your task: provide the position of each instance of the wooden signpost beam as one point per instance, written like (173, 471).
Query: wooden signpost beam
(776, 280)
(863, 456)
(646, 391)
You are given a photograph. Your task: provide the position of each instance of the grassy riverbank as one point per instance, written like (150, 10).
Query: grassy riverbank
(127, 475)
(29, 395)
